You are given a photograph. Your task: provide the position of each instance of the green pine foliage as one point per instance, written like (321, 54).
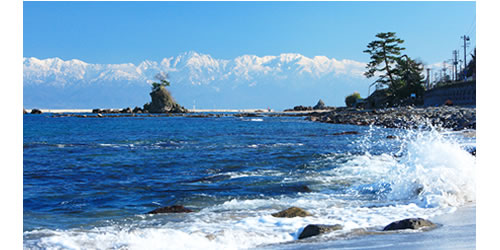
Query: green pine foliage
(384, 53)
(400, 74)
(351, 99)
(162, 77)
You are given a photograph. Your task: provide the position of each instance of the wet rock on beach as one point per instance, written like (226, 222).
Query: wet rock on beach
(292, 212)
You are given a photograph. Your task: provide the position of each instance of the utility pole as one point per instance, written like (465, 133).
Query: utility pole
(466, 38)
(452, 72)
(455, 63)
(428, 78)
(444, 72)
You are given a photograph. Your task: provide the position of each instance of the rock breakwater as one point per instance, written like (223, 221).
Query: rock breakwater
(457, 118)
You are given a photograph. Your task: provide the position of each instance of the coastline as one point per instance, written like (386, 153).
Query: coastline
(449, 117)
(255, 110)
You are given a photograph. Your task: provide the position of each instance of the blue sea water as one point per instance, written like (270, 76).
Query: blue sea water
(88, 183)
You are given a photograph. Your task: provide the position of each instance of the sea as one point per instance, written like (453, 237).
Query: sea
(88, 183)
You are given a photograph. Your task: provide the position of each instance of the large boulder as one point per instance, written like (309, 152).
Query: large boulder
(412, 223)
(320, 105)
(162, 102)
(292, 212)
(36, 111)
(315, 229)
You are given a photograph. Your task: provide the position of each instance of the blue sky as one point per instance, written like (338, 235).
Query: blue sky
(123, 32)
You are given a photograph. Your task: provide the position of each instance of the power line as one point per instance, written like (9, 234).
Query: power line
(472, 27)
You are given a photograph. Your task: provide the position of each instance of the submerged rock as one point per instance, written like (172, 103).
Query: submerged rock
(347, 133)
(171, 209)
(247, 115)
(315, 229)
(302, 189)
(292, 212)
(412, 223)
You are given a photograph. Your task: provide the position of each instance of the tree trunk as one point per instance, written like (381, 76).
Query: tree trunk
(387, 66)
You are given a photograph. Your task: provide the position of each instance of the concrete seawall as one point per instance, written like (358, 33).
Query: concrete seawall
(462, 94)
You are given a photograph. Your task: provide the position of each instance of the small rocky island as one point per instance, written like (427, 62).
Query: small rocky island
(161, 100)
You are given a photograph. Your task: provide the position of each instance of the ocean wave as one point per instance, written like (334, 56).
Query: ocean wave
(430, 168)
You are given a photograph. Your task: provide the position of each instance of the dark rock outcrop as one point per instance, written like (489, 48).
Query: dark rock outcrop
(105, 111)
(137, 110)
(300, 108)
(171, 209)
(163, 102)
(24, 111)
(127, 110)
(315, 229)
(292, 212)
(320, 105)
(36, 111)
(412, 223)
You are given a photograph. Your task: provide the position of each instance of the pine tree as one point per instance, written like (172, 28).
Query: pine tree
(384, 55)
(162, 77)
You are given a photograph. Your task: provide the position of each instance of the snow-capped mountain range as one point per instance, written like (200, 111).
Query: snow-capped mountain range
(189, 67)
(190, 71)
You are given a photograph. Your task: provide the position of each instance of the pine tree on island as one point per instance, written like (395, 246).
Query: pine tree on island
(161, 99)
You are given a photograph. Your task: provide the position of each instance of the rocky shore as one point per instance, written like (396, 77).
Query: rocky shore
(450, 117)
